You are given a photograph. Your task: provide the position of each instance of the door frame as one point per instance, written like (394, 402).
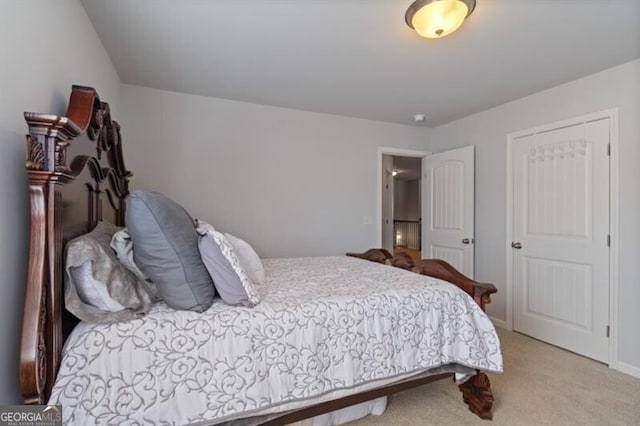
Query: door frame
(612, 115)
(382, 150)
(390, 202)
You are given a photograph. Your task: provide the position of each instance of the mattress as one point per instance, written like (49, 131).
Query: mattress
(326, 327)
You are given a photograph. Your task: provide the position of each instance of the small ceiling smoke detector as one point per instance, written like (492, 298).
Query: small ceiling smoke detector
(418, 118)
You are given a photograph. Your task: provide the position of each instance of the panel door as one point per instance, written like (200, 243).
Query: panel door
(561, 227)
(449, 208)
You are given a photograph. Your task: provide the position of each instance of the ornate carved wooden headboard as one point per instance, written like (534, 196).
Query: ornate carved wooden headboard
(67, 199)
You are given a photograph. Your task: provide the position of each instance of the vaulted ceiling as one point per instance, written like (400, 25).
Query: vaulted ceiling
(358, 58)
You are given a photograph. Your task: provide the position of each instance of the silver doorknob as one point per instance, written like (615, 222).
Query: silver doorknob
(516, 245)
(466, 241)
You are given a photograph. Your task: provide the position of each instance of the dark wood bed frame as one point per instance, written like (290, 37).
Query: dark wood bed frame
(68, 199)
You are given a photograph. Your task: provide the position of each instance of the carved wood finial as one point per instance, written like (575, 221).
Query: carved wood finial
(96, 125)
(35, 154)
(60, 156)
(47, 141)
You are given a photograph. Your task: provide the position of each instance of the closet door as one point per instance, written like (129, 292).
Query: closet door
(560, 236)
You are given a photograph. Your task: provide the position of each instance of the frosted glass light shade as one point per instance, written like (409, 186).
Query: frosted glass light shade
(438, 18)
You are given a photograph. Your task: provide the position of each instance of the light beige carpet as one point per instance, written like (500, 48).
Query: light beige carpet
(542, 385)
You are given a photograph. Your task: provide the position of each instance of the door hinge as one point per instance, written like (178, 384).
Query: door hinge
(609, 240)
(608, 329)
(609, 149)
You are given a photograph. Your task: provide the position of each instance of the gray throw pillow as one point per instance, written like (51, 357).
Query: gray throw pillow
(228, 284)
(166, 249)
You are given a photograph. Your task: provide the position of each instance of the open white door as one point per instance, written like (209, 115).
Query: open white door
(449, 208)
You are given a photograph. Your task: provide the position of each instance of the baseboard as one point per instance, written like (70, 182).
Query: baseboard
(629, 369)
(498, 322)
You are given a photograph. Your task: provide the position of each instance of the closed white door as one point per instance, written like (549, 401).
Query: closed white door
(449, 208)
(560, 237)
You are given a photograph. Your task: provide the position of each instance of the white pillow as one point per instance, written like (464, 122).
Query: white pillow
(91, 291)
(229, 277)
(122, 244)
(249, 259)
(203, 227)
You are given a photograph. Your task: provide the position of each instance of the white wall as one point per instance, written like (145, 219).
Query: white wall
(615, 87)
(399, 199)
(406, 204)
(45, 47)
(413, 199)
(292, 183)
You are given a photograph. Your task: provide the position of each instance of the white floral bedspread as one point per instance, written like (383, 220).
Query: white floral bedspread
(325, 325)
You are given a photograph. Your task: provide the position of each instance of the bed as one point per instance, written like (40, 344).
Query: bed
(329, 333)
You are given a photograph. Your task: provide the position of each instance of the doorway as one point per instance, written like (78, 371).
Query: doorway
(400, 202)
(403, 205)
(560, 213)
(444, 225)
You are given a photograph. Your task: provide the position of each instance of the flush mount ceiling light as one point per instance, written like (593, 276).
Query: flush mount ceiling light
(438, 18)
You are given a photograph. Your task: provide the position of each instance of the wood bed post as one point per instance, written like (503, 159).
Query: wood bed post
(41, 342)
(35, 379)
(47, 169)
(476, 392)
